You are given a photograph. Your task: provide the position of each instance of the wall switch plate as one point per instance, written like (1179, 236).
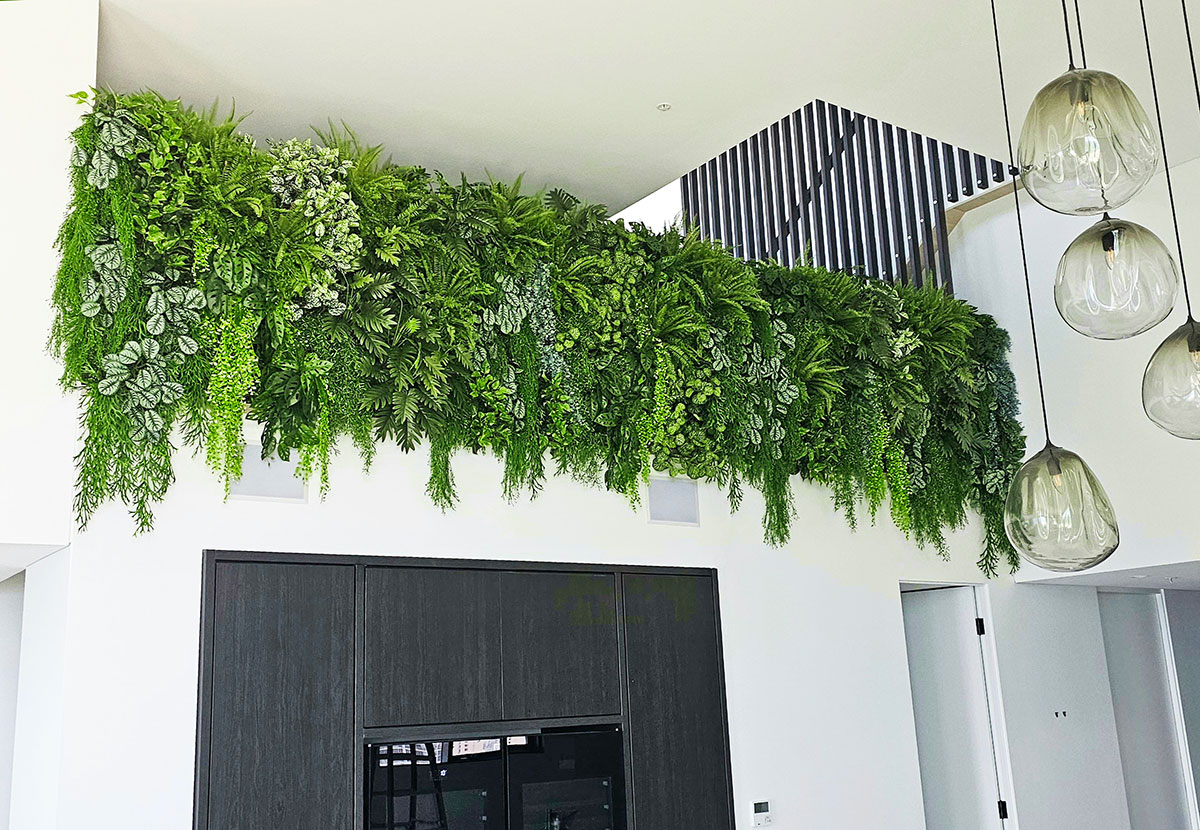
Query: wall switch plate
(762, 814)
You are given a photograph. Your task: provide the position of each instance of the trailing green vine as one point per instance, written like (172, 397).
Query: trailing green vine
(324, 293)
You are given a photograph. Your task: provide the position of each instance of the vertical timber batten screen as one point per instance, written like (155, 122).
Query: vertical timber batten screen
(841, 190)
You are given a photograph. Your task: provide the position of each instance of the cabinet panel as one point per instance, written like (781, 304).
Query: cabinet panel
(676, 704)
(280, 754)
(560, 645)
(432, 646)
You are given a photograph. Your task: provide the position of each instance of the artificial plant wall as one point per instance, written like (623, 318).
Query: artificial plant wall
(327, 294)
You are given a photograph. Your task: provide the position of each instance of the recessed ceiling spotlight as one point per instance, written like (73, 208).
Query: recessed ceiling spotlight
(664, 106)
(1137, 576)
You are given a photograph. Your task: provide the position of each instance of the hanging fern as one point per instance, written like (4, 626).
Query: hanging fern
(329, 294)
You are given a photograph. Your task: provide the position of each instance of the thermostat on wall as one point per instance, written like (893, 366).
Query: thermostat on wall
(762, 813)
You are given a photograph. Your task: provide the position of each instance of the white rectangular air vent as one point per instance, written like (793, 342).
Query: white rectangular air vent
(674, 501)
(268, 479)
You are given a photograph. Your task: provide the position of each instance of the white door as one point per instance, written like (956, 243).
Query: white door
(954, 734)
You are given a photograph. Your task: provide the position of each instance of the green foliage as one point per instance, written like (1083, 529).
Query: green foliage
(326, 293)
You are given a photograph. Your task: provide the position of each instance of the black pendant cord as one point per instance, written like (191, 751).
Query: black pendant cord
(1079, 29)
(1187, 27)
(1066, 29)
(1163, 141)
(1012, 172)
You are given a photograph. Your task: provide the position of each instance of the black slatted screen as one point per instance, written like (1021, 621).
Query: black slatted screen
(840, 190)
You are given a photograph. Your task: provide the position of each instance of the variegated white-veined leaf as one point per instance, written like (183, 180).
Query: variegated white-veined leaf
(150, 348)
(91, 288)
(193, 298)
(105, 255)
(130, 353)
(109, 385)
(154, 422)
(157, 304)
(187, 345)
(90, 308)
(156, 324)
(171, 392)
(153, 278)
(79, 156)
(117, 372)
(102, 170)
(142, 398)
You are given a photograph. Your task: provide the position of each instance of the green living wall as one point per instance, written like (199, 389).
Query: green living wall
(330, 295)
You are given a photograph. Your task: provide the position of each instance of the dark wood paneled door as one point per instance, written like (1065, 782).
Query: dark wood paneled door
(676, 704)
(432, 641)
(560, 645)
(280, 755)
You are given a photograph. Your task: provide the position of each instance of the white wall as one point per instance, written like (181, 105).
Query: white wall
(1183, 619)
(12, 591)
(47, 52)
(38, 738)
(1145, 713)
(1093, 388)
(819, 700)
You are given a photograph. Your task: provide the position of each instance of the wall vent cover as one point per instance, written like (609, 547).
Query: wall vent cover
(270, 479)
(674, 501)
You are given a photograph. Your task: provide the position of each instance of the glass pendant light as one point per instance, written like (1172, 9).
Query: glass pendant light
(1171, 384)
(1087, 145)
(1057, 514)
(1116, 280)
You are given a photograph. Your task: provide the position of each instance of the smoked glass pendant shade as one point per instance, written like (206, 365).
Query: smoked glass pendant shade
(1171, 385)
(1116, 280)
(1057, 514)
(1086, 145)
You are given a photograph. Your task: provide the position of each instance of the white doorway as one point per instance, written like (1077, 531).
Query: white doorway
(1150, 733)
(960, 782)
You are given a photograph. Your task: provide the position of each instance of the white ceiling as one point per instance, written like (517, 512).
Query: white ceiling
(1184, 576)
(566, 92)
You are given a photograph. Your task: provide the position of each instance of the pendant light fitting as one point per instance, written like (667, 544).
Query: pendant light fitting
(1057, 514)
(1171, 383)
(1116, 279)
(1086, 145)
